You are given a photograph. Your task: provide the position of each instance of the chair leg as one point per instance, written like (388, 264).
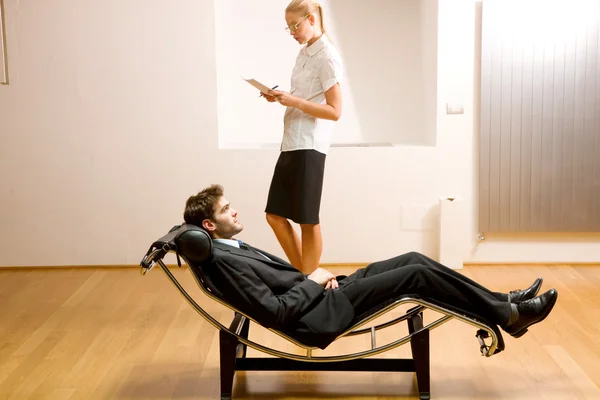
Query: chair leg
(419, 344)
(244, 333)
(227, 349)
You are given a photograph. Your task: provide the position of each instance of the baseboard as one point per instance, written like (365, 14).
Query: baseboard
(130, 266)
(354, 266)
(529, 264)
(343, 265)
(48, 267)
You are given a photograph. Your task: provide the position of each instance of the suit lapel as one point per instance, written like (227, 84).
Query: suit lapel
(276, 261)
(272, 257)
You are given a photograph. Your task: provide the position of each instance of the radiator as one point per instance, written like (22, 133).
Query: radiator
(539, 160)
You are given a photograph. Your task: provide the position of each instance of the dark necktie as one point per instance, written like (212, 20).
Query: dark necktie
(244, 246)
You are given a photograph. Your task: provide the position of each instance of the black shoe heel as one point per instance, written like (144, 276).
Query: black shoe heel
(520, 333)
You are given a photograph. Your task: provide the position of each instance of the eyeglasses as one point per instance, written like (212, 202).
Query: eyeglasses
(294, 27)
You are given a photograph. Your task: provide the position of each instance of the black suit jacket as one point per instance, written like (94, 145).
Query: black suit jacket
(279, 296)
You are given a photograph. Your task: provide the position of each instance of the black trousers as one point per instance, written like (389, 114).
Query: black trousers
(416, 274)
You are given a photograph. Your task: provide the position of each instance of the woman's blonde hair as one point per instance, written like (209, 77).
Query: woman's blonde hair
(305, 7)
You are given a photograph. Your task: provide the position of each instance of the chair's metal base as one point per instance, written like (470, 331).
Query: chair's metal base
(233, 358)
(234, 340)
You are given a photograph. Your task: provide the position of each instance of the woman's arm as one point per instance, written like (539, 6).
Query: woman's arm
(332, 110)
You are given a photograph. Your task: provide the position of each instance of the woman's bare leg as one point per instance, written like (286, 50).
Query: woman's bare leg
(312, 247)
(288, 239)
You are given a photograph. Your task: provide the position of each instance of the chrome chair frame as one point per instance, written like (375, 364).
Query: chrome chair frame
(234, 341)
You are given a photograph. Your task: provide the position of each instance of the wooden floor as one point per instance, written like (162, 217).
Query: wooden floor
(115, 334)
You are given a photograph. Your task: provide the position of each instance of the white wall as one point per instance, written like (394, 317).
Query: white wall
(110, 123)
(389, 50)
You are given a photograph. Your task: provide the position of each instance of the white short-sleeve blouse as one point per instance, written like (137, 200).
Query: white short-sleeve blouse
(318, 67)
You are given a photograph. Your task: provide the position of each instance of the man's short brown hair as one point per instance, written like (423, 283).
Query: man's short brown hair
(201, 206)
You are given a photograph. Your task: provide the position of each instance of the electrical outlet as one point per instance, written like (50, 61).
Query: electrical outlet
(454, 108)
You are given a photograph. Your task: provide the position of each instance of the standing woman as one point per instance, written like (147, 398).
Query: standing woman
(313, 105)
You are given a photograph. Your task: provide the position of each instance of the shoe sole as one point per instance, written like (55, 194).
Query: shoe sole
(523, 331)
(539, 287)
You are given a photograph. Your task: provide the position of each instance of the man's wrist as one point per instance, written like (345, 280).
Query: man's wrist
(315, 282)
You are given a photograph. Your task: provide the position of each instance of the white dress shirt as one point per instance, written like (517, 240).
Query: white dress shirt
(318, 67)
(236, 243)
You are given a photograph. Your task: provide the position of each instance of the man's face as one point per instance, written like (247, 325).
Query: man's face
(225, 223)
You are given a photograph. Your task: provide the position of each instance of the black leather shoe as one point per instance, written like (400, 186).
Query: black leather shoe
(516, 296)
(531, 312)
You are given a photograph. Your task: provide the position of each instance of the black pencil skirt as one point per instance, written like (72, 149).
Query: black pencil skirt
(296, 187)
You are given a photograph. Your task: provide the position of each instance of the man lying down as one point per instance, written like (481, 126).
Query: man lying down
(317, 308)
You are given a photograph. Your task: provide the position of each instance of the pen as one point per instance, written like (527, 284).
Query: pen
(273, 88)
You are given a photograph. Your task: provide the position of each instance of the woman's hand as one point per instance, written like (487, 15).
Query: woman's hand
(332, 110)
(270, 98)
(286, 99)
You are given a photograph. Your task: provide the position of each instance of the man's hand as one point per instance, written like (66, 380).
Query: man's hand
(332, 284)
(286, 99)
(324, 278)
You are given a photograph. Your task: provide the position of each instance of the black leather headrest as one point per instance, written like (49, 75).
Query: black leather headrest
(193, 243)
